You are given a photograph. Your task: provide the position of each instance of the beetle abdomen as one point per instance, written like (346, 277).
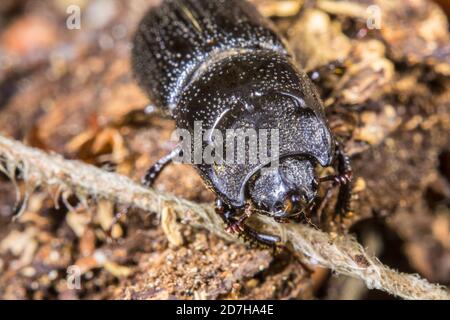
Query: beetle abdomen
(175, 39)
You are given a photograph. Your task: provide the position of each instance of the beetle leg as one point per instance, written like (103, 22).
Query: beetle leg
(343, 179)
(228, 215)
(343, 168)
(339, 179)
(153, 172)
(320, 204)
(148, 180)
(282, 220)
(345, 190)
(266, 240)
(237, 225)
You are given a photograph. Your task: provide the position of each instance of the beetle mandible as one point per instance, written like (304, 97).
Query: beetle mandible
(222, 64)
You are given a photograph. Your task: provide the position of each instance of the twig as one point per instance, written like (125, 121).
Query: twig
(343, 255)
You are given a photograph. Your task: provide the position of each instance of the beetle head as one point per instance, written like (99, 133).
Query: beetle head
(286, 190)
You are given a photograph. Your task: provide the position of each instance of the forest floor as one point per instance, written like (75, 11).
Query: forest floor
(72, 92)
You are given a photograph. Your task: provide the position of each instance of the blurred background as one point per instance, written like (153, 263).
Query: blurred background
(66, 86)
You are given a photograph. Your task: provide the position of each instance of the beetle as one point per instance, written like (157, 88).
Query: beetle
(222, 64)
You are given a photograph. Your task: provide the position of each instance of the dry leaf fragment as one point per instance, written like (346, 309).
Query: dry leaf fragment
(171, 227)
(78, 221)
(281, 8)
(441, 229)
(345, 8)
(29, 35)
(377, 125)
(22, 245)
(359, 185)
(105, 216)
(416, 31)
(317, 41)
(87, 243)
(105, 213)
(117, 270)
(367, 76)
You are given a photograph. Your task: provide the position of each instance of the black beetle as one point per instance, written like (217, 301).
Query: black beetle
(221, 63)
